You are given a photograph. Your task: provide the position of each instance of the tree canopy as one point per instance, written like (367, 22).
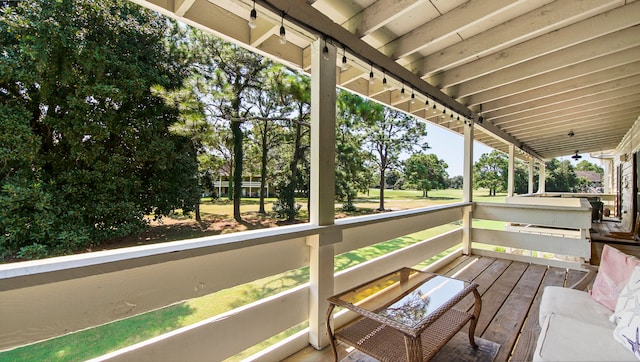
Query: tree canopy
(585, 165)
(87, 150)
(426, 172)
(390, 132)
(490, 171)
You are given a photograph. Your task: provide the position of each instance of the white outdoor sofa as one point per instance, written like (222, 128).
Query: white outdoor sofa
(576, 327)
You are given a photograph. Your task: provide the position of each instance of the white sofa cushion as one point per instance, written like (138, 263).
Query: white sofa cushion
(629, 298)
(564, 338)
(574, 304)
(627, 315)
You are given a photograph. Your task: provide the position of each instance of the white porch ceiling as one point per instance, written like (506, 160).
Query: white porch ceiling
(534, 70)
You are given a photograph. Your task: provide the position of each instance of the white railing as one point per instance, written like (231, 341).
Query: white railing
(48, 298)
(538, 225)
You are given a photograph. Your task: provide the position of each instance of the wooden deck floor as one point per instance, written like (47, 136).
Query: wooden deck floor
(510, 302)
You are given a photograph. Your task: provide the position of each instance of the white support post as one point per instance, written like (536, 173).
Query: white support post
(542, 177)
(467, 165)
(607, 182)
(467, 188)
(531, 169)
(510, 176)
(323, 140)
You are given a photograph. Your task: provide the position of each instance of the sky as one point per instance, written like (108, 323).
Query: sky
(449, 146)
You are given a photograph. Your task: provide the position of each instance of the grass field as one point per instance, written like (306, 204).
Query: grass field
(98, 341)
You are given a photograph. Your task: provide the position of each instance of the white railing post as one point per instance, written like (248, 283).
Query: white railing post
(467, 188)
(541, 182)
(322, 195)
(530, 191)
(321, 276)
(511, 172)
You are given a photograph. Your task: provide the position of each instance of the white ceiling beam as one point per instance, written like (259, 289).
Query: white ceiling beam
(576, 87)
(378, 15)
(530, 25)
(605, 99)
(180, 7)
(464, 16)
(592, 49)
(579, 125)
(567, 37)
(599, 130)
(571, 114)
(575, 71)
(586, 145)
(579, 95)
(587, 125)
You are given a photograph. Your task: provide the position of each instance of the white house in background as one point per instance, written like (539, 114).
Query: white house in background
(250, 186)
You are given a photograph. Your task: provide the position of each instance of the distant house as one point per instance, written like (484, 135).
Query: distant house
(250, 186)
(595, 179)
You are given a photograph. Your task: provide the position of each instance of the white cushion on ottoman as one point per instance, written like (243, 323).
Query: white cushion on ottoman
(567, 339)
(574, 304)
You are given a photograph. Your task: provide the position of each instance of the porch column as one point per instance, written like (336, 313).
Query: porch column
(531, 169)
(607, 181)
(542, 178)
(510, 176)
(467, 188)
(323, 140)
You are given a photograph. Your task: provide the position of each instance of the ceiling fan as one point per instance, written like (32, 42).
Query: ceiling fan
(576, 156)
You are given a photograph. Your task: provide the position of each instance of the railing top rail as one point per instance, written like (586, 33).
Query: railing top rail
(584, 205)
(162, 252)
(167, 251)
(368, 219)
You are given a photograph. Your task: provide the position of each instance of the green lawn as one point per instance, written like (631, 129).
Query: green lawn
(98, 341)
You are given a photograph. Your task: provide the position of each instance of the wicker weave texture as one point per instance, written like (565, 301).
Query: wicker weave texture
(387, 344)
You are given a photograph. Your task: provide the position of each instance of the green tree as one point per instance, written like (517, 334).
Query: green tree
(490, 172)
(585, 165)
(521, 178)
(352, 175)
(426, 172)
(232, 73)
(560, 176)
(266, 131)
(293, 178)
(395, 179)
(87, 150)
(455, 182)
(388, 133)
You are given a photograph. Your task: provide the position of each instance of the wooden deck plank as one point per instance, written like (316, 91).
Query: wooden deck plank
(470, 270)
(512, 314)
(573, 276)
(526, 345)
(457, 264)
(495, 296)
(484, 279)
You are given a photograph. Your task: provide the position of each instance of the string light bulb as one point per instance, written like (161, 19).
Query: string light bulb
(344, 65)
(402, 94)
(283, 32)
(385, 84)
(371, 77)
(435, 110)
(413, 98)
(325, 52)
(253, 16)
